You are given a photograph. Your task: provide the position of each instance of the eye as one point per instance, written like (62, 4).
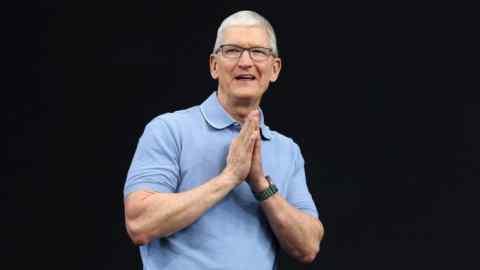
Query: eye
(259, 51)
(232, 50)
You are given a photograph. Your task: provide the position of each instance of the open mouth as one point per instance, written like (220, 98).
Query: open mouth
(245, 77)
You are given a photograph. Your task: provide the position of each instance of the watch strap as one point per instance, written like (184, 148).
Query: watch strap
(268, 192)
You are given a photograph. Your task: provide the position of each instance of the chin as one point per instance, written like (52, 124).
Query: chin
(246, 93)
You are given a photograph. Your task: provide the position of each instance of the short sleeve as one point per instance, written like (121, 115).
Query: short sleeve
(155, 162)
(297, 189)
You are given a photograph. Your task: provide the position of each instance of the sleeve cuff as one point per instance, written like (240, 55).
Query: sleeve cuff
(151, 186)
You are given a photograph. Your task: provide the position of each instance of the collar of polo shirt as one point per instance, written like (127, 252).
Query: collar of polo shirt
(218, 118)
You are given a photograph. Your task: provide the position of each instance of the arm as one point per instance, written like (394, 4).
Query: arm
(298, 233)
(150, 215)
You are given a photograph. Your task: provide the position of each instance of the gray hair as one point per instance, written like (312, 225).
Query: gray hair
(246, 18)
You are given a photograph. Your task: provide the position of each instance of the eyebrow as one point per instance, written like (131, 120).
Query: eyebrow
(255, 46)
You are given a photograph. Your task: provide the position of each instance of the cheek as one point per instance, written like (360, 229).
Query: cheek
(267, 74)
(227, 72)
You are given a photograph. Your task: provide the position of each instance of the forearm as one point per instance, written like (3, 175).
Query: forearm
(161, 214)
(299, 234)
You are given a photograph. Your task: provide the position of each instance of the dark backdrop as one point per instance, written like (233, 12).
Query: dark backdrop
(378, 97)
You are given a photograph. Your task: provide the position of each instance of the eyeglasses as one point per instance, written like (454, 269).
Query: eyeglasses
(234, 52)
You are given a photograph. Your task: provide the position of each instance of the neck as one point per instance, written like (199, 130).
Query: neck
(238, 108)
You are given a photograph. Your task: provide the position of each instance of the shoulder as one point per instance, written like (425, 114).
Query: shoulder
(285, 142)
(169, 129)
(176, 119)
(172, 126)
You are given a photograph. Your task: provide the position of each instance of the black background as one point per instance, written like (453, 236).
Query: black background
(380, 99)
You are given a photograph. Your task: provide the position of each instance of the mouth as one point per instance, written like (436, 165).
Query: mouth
(245, 77)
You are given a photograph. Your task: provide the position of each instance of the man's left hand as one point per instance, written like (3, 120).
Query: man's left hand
(256, 177)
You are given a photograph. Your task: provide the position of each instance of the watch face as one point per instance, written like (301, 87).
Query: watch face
(268, 179)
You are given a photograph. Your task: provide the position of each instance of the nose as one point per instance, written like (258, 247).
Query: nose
(245, 60)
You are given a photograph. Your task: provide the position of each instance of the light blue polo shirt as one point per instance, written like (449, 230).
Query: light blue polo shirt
(182, 150)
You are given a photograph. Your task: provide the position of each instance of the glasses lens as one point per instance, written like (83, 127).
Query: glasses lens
(230, 51)
(259, 53)
(233, 52)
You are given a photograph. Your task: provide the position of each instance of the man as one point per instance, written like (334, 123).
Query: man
(212, 187)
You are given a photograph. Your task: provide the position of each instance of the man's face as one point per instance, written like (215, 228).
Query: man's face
(244, 78)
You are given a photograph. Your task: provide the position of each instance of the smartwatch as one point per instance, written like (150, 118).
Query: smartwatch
(268, 192)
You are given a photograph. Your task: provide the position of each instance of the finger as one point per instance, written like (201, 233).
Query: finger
(243, 136)
(254, 117)
(250, 124)
(251, 143)
(247, 128)
(256, 124)
(247, 122)
(258, 145)
(254, 152)
(256, 112)
(253, 114)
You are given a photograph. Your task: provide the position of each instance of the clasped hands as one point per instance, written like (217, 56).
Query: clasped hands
(244, 159)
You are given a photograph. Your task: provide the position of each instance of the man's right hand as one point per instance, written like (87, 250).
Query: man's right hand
(239, 157)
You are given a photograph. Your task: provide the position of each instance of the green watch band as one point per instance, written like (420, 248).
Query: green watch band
(263, 195)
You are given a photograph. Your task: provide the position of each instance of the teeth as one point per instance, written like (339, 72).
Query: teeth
(246, 77)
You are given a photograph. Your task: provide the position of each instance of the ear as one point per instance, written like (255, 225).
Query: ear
(277, 66)
(213, 66)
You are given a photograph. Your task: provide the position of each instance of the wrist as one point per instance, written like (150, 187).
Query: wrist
(267, 192)
(259, 185)
(231, 176)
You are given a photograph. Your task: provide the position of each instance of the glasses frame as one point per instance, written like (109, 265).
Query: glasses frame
(270, 52)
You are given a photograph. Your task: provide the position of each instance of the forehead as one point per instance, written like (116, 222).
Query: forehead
(246, 36)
